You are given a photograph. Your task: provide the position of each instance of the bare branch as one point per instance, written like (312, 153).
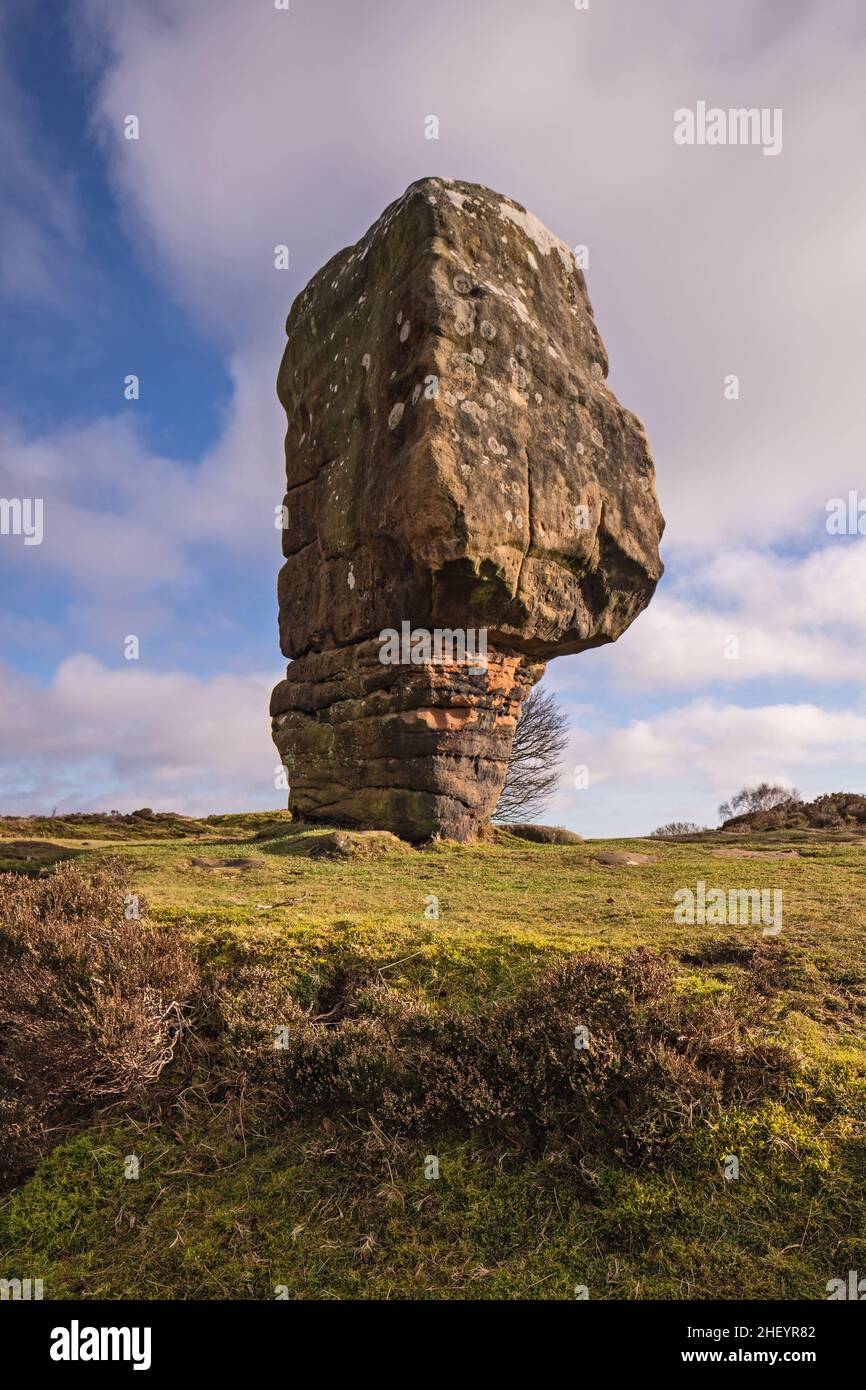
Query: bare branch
(540, 740)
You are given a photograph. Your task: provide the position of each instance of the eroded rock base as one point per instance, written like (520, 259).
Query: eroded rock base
(416, 750)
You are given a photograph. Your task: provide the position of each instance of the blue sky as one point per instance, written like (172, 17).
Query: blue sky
(260, 127)
(113, 309)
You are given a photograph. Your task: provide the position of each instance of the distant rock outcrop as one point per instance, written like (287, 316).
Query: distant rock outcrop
(832, 811)
(465, 500)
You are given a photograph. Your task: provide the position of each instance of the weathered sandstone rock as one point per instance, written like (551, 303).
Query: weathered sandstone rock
(454, 461)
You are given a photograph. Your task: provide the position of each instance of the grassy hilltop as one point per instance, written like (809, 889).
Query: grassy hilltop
(407, 1038)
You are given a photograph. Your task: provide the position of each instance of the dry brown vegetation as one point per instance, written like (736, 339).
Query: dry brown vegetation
(542, 834)
(92, 1003)
(658, 1060)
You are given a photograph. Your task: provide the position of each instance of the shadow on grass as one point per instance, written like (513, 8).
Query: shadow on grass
(33, 857)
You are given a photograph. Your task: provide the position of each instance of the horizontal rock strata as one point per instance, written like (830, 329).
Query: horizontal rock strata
(420, 750)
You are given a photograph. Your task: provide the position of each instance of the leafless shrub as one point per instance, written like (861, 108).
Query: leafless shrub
(766, 796)
(676, 827)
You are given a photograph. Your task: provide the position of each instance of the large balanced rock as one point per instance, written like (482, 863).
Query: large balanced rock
(460, 482)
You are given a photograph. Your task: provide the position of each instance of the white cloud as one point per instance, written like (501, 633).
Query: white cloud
(102, 739)
(678, 765)
(118, 517)
(793, 619)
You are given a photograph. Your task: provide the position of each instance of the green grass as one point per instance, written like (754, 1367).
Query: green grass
(227, 1205)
